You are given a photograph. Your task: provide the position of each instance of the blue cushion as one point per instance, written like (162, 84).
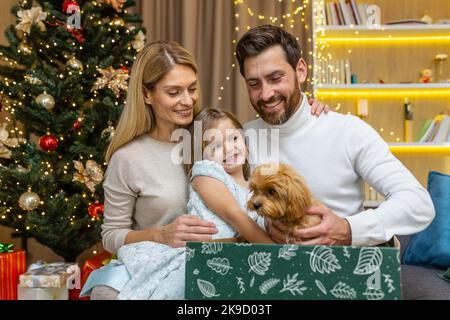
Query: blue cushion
(431, 247)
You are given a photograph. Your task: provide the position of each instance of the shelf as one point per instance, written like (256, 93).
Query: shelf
(421, 148)
(383, 90)
(383, 34)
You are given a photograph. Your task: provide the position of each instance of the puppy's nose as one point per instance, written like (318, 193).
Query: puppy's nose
(257, 205)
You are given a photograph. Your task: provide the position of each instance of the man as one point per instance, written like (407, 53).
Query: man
(334, 152)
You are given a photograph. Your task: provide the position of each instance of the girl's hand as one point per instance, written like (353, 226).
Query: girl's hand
(186, 228)
(318, 107)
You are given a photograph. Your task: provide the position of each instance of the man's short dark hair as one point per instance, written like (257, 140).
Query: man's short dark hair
(263, 37)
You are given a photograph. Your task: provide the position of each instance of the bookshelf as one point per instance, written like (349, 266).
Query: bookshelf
(385, 61)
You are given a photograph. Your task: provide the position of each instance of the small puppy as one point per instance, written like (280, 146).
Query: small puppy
(280, 193)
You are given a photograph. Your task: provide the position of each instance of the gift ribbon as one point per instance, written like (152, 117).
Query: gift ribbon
(6, 248)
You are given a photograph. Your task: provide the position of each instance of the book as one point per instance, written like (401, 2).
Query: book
(348, 18)
(427, 133)
(342, 71)
(441, 134)
(340, 17)
(348, 72)
(328, 15)
(354, 11)
(438, 121)
(423, 129)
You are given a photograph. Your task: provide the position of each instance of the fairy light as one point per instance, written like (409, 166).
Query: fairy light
(288, 19)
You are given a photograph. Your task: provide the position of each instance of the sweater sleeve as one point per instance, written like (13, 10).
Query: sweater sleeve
(407, 209)
(119, 204)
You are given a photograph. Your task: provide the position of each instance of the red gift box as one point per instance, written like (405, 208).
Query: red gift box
(12, 265)
(90, 265)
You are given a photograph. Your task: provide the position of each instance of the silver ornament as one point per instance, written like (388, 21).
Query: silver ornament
(75, 64)
(46, 100)
(29, 200)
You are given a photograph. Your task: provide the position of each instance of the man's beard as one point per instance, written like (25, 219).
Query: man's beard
(290, 107)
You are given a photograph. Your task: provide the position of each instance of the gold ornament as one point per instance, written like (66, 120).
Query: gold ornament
(29, 200)
(29, 17)
(32, 80)
(46, 100)
(116, 80)
(139, 41)
(75, 64)
(116, 4)
(25, 49)
(6, 142)
(91, 176)
(108, 133)
(117, 22)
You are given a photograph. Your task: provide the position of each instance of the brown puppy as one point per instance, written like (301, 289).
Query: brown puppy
(280, 193)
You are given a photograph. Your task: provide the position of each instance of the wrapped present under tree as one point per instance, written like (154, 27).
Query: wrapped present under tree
(12, 265)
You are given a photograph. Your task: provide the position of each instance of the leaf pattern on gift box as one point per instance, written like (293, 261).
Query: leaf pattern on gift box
(207, 288)
(287, 251)
(346, 253)
(219, 265)
(321, 287)
(190, 253)
(389, 282)
(323, 260)
(252, 282)
(343, 291)
(243, 244)
(241, 285)
(369, 261)
(374, 294)
(292, 285)
(259, 262)
(268, 284)
(212, 247)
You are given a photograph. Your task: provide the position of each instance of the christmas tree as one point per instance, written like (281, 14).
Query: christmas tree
(63, 84)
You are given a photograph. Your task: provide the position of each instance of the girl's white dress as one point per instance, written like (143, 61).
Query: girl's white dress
(157, 271)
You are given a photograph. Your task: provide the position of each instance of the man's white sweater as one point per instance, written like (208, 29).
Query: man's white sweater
(335, 153)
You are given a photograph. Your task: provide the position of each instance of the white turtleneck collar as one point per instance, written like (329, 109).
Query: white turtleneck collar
(296, 121)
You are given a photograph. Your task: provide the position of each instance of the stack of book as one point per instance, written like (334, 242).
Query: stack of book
(334, 72)
(435, 130)
(345, 12)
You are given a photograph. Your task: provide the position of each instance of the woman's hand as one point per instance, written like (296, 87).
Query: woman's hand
(318, 107)
(186, 228)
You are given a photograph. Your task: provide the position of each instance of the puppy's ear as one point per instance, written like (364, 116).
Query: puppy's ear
(299, 197)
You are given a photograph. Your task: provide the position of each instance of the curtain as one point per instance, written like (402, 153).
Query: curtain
(209, 29)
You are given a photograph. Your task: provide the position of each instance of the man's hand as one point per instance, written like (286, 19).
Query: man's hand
(332, 231)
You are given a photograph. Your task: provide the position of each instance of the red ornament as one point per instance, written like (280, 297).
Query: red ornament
(125, 69)
(48, 143)
(95, 210)
(70, 5)
(77, 125)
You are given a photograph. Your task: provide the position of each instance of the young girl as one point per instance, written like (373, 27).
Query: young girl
(219, 187)
(218, 193)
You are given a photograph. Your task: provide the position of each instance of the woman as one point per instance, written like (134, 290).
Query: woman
(145, 191)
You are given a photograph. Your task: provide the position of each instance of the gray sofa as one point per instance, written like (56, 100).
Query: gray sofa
(421, 283)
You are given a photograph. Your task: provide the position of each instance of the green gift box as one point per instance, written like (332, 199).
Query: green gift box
(241, 271)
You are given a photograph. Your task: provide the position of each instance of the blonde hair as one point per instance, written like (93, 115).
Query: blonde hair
(209, 117)
(151, 65)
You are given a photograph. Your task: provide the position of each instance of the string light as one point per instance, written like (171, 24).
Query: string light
(286, 19)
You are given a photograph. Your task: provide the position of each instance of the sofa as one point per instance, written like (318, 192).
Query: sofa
(421, 283)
